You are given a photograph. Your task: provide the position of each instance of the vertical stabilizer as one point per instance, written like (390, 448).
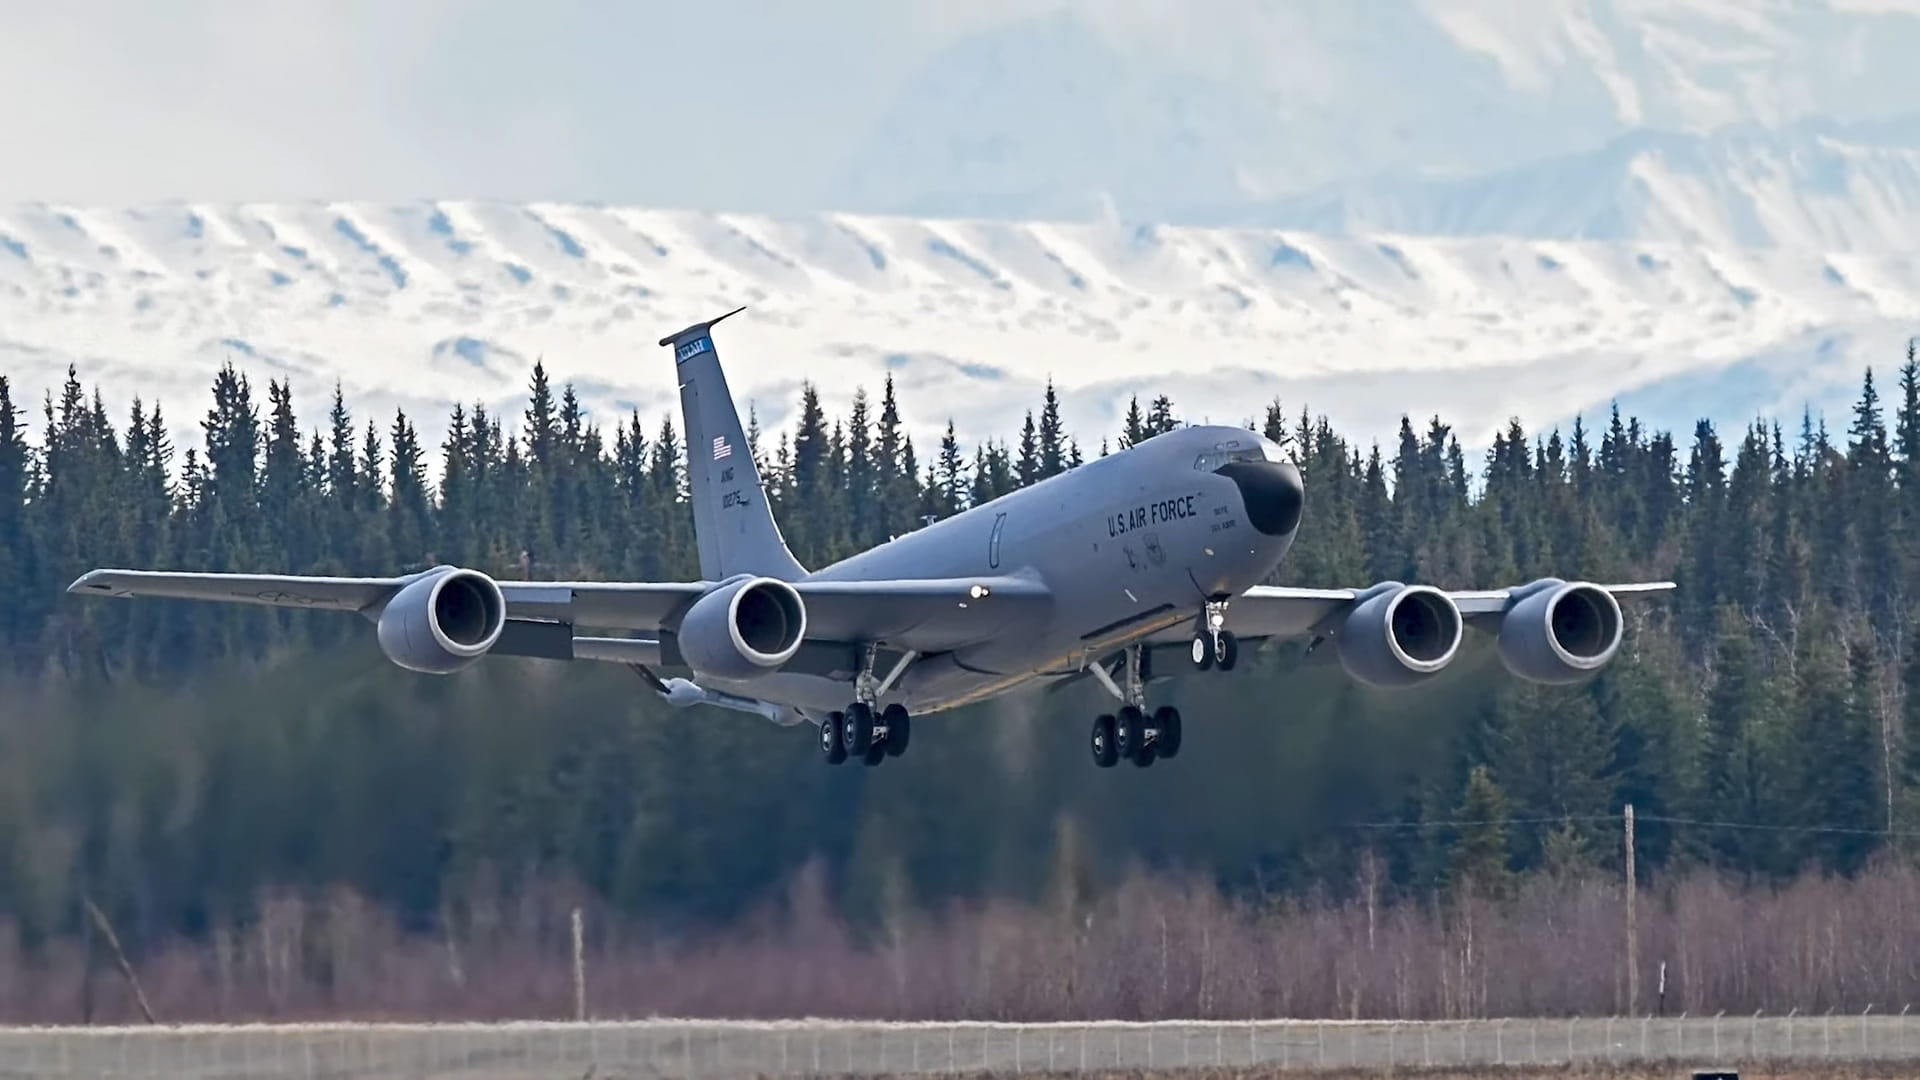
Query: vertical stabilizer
(732, 522)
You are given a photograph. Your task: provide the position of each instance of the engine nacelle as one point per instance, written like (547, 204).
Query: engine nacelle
(1560, 631)
(442, 622)
(1400, 635)
(743, 629)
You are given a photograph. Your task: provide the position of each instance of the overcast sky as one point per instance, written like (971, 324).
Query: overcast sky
(665, 102)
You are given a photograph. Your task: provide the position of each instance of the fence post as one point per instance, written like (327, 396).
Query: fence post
(579, 967)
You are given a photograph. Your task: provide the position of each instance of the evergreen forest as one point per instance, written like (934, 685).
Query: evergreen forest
(264, 818)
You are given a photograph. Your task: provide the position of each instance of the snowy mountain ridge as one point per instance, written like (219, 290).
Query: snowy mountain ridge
(1164, 115)
(420, 305)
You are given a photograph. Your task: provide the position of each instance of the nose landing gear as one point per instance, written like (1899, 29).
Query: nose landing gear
(1214, 646)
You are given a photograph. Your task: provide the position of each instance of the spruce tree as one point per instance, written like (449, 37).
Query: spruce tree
(1478, 861)
(1053, 436)
(1133, 428)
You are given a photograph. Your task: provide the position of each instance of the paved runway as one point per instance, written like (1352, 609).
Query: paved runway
(671, 1048)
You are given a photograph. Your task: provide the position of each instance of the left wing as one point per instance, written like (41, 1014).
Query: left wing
(1267, 611)
(1283, 612)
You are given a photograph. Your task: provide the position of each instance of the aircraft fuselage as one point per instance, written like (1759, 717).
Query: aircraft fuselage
(1129, 544)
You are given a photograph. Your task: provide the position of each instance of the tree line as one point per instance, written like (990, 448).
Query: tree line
(200, 772)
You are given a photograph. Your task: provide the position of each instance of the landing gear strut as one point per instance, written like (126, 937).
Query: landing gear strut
(862, 731)
(1213, 644)
(1131, 733)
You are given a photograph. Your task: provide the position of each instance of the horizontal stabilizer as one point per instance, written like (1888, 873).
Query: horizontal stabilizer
(700, 329)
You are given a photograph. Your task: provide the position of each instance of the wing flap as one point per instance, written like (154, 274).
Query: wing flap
(614, 605)
(1271, 611)
(925, 615)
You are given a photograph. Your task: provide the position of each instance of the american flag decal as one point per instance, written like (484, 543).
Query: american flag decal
(721, 448)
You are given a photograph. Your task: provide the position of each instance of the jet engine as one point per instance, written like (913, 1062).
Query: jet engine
(1559, 631)
(440, 623)
(1400, 635)
(743, 629)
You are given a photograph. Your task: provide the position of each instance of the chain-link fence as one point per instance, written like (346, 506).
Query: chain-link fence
(672, 1048)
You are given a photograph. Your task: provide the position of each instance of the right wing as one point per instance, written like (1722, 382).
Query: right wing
(926, 616)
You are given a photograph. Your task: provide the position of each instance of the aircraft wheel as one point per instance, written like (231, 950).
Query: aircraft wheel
(1130, 731)
(1229, 651)
(876, 753)
(899, 724)
(1104, 742)
(1144, 755)
(832, 746)
(1166, 722)
(857, 729)
(1202, 651)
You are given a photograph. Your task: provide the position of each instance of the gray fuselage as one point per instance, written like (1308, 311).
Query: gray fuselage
(1127, 544)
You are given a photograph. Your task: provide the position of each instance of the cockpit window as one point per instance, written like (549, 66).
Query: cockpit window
(1213, 459)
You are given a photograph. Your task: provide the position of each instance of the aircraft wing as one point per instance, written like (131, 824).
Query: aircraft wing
(926, 615)
(1281, 612)
(923, 615)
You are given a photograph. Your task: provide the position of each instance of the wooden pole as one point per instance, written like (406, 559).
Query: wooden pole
(1633, 935)
(579, 967)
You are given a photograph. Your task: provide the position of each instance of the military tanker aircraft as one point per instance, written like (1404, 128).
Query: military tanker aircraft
(1094, 573)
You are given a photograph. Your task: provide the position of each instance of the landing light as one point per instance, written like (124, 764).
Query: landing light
(977, 591)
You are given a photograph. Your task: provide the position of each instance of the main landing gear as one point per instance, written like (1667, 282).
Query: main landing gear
(861, 731)
(1132, 733)
(1214, 646)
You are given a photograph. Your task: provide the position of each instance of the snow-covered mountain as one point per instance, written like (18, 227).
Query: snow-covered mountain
(1810, 187)
(1166, 116)
(420, 305)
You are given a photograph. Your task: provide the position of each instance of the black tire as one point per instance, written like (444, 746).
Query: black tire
(899, 724)
(876, 754)
(1104, 741)
(1130, 731)
(1144, 756)
(1229, 651)
(832, 745)
(1166, 721)
(1202, 654)
(857, 729)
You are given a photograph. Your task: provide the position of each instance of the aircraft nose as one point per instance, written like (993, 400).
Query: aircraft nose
(1272, 492)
